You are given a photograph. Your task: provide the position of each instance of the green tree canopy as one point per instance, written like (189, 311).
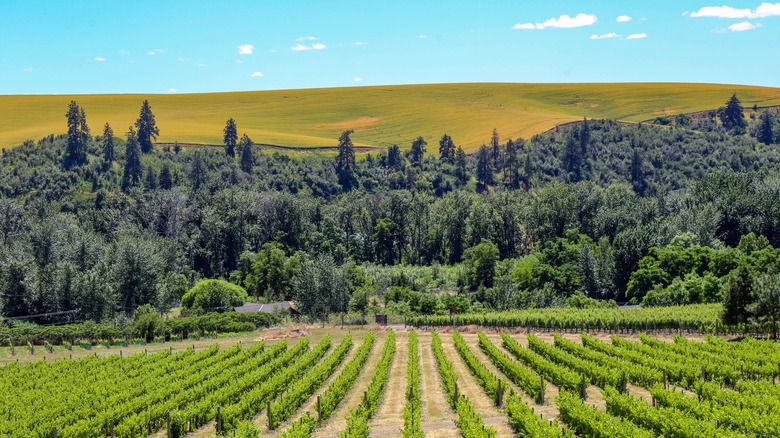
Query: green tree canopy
(209, 295)
(480, 261)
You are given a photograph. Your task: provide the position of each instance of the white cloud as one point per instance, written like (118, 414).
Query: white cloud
(623, 19)
(359, 43)
(358, 79)
(305, 38)
(200, 65)
(636, 36)
(182, 59)
(150, 53)
(562, 22)
(743, 26)
(303, 47)
(172, 90)
(605, 36)
(422, 37)
(762, 11)
(257, 74)
(100, 59)
(154, 52)
(246, 49)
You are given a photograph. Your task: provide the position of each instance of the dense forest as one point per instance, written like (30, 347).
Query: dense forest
(682, 210)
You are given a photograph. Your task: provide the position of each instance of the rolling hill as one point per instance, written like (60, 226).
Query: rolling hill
(380, 115)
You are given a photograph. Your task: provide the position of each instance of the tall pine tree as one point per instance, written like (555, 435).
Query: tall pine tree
(230, 137)
(765, 132)
(484, 167)
(109, 153)
(133, 171)
(247, 157)
(495, 151)
(446, 149)
(78, 135)
(418, 151)
(732, 116)
(345, 162)
(147, 128)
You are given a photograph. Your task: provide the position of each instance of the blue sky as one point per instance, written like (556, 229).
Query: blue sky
(204, 46)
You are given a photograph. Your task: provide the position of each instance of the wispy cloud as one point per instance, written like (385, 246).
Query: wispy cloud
(623, 19)
(172, 90)
(27, 69)
(201, 65)
(305, 38)
(743, 26)
(154, 52)
(182, 59)
(359, 43)
(422, 37)
(357, 79)
(605, 36)
(562, 22)
(246, 49)
(257, 74)
(303, 47)
(100, 59)
(763, 10)
(636, 36)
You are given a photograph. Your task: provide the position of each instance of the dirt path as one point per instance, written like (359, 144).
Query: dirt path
(390, 413)
(469, 387)
(434, 400)
(338, 420)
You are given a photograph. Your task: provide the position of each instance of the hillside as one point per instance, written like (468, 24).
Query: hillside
(380, 116)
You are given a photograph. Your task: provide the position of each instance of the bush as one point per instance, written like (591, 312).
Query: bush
(208, 295)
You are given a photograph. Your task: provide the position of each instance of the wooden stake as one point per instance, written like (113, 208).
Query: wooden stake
(270, 416)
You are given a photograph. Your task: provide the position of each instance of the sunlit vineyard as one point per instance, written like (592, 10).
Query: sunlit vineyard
(421, 383)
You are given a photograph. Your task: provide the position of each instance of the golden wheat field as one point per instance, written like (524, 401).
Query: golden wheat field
(380, 115)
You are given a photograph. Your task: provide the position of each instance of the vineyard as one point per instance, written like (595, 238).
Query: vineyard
(406, 383)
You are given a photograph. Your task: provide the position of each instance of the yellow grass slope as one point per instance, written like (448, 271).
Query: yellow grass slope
(380, 115)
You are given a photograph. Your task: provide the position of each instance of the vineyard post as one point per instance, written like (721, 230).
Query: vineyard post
(54, 432)
(319, 409)
(665, 378)
(270, 416)
(219, 418)
(365, 398)
(111, 427)
(456, 393)
(541, 389)
(499, 394)
(703, 373)
(741, 371)
(168, 423)
(583, 388)
(120, 354)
